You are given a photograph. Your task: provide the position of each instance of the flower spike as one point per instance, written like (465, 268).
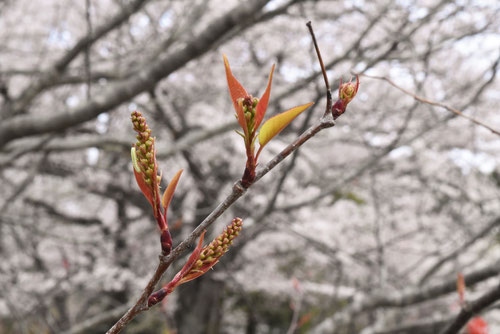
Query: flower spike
(143, 156)
(201, 260)
(144, 161)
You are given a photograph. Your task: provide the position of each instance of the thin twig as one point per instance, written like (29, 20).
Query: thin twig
(323, 70)
(329, 100)
(433, 103)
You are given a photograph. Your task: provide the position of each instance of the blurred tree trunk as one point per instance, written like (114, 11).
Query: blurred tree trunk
(200, 307)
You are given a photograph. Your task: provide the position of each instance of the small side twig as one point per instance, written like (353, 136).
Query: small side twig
(316, 47)
(329, 100)
(433, 103)
(297, 305)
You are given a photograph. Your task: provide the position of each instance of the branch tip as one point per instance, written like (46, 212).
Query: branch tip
(323, 69)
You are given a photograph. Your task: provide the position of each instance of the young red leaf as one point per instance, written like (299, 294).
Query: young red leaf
(461, 288)
(276, 124)
(145, 188)
(189, 264)
(236, 91)
(263, 102)
(169, 192)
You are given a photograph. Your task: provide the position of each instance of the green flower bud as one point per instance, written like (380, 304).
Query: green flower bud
(255, 102)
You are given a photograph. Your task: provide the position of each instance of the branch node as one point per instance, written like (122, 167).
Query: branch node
(238, 187)
(327, 121)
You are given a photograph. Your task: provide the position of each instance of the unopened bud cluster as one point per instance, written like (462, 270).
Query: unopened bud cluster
(347, 92)
(249, 104)
(143, 156)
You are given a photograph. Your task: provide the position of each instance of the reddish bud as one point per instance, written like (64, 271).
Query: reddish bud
(347, 92)
(166, 242)
(477, 326)
(157, 297)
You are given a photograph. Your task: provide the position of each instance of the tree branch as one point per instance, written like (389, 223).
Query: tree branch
(409, 297)
(48, 78)
(142, 81)
(460, 249)
(471, 309)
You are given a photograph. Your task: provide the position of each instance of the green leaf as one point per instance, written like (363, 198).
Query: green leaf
(276, 124)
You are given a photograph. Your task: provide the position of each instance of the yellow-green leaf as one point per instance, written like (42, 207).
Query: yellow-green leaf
(169, 192)
(275, 124)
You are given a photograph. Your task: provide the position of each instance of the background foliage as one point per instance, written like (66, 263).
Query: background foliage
(374, 218)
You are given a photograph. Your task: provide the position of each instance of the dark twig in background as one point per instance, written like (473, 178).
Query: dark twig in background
(439, 104)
